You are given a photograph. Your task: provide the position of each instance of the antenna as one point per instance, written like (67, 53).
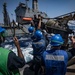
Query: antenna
(35, 4)
(26, 2)
(27, 5)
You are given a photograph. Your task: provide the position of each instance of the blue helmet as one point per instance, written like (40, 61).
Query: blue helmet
(2, 29)
(38, 34)
(31, 29)
(56, 40)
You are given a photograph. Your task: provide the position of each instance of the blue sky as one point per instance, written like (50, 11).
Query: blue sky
(53, 8)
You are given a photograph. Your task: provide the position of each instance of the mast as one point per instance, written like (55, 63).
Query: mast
(35, 5)
(27, 4)
(6, 16)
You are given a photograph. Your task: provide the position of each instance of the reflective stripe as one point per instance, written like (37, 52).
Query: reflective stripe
(37, 42)
(55, 57)
(60, 42)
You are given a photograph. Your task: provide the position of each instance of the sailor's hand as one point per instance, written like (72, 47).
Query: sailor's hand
(40, 18)
(31, 21)
(16, 41)
(72, 38)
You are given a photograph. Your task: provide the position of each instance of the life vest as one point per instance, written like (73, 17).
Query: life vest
(55, 62)
(3, 63)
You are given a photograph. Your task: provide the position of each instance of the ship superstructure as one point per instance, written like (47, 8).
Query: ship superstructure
(24, 11)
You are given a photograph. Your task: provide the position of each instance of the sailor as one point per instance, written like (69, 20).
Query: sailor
(38, 46)
(43, 28)
(31, 30)
(39, 25)
(9, 62)
(55, 60)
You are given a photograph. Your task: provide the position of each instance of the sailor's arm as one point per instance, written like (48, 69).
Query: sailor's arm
(18, 47)
(71, 52)
(15, 61)
(39, 24)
